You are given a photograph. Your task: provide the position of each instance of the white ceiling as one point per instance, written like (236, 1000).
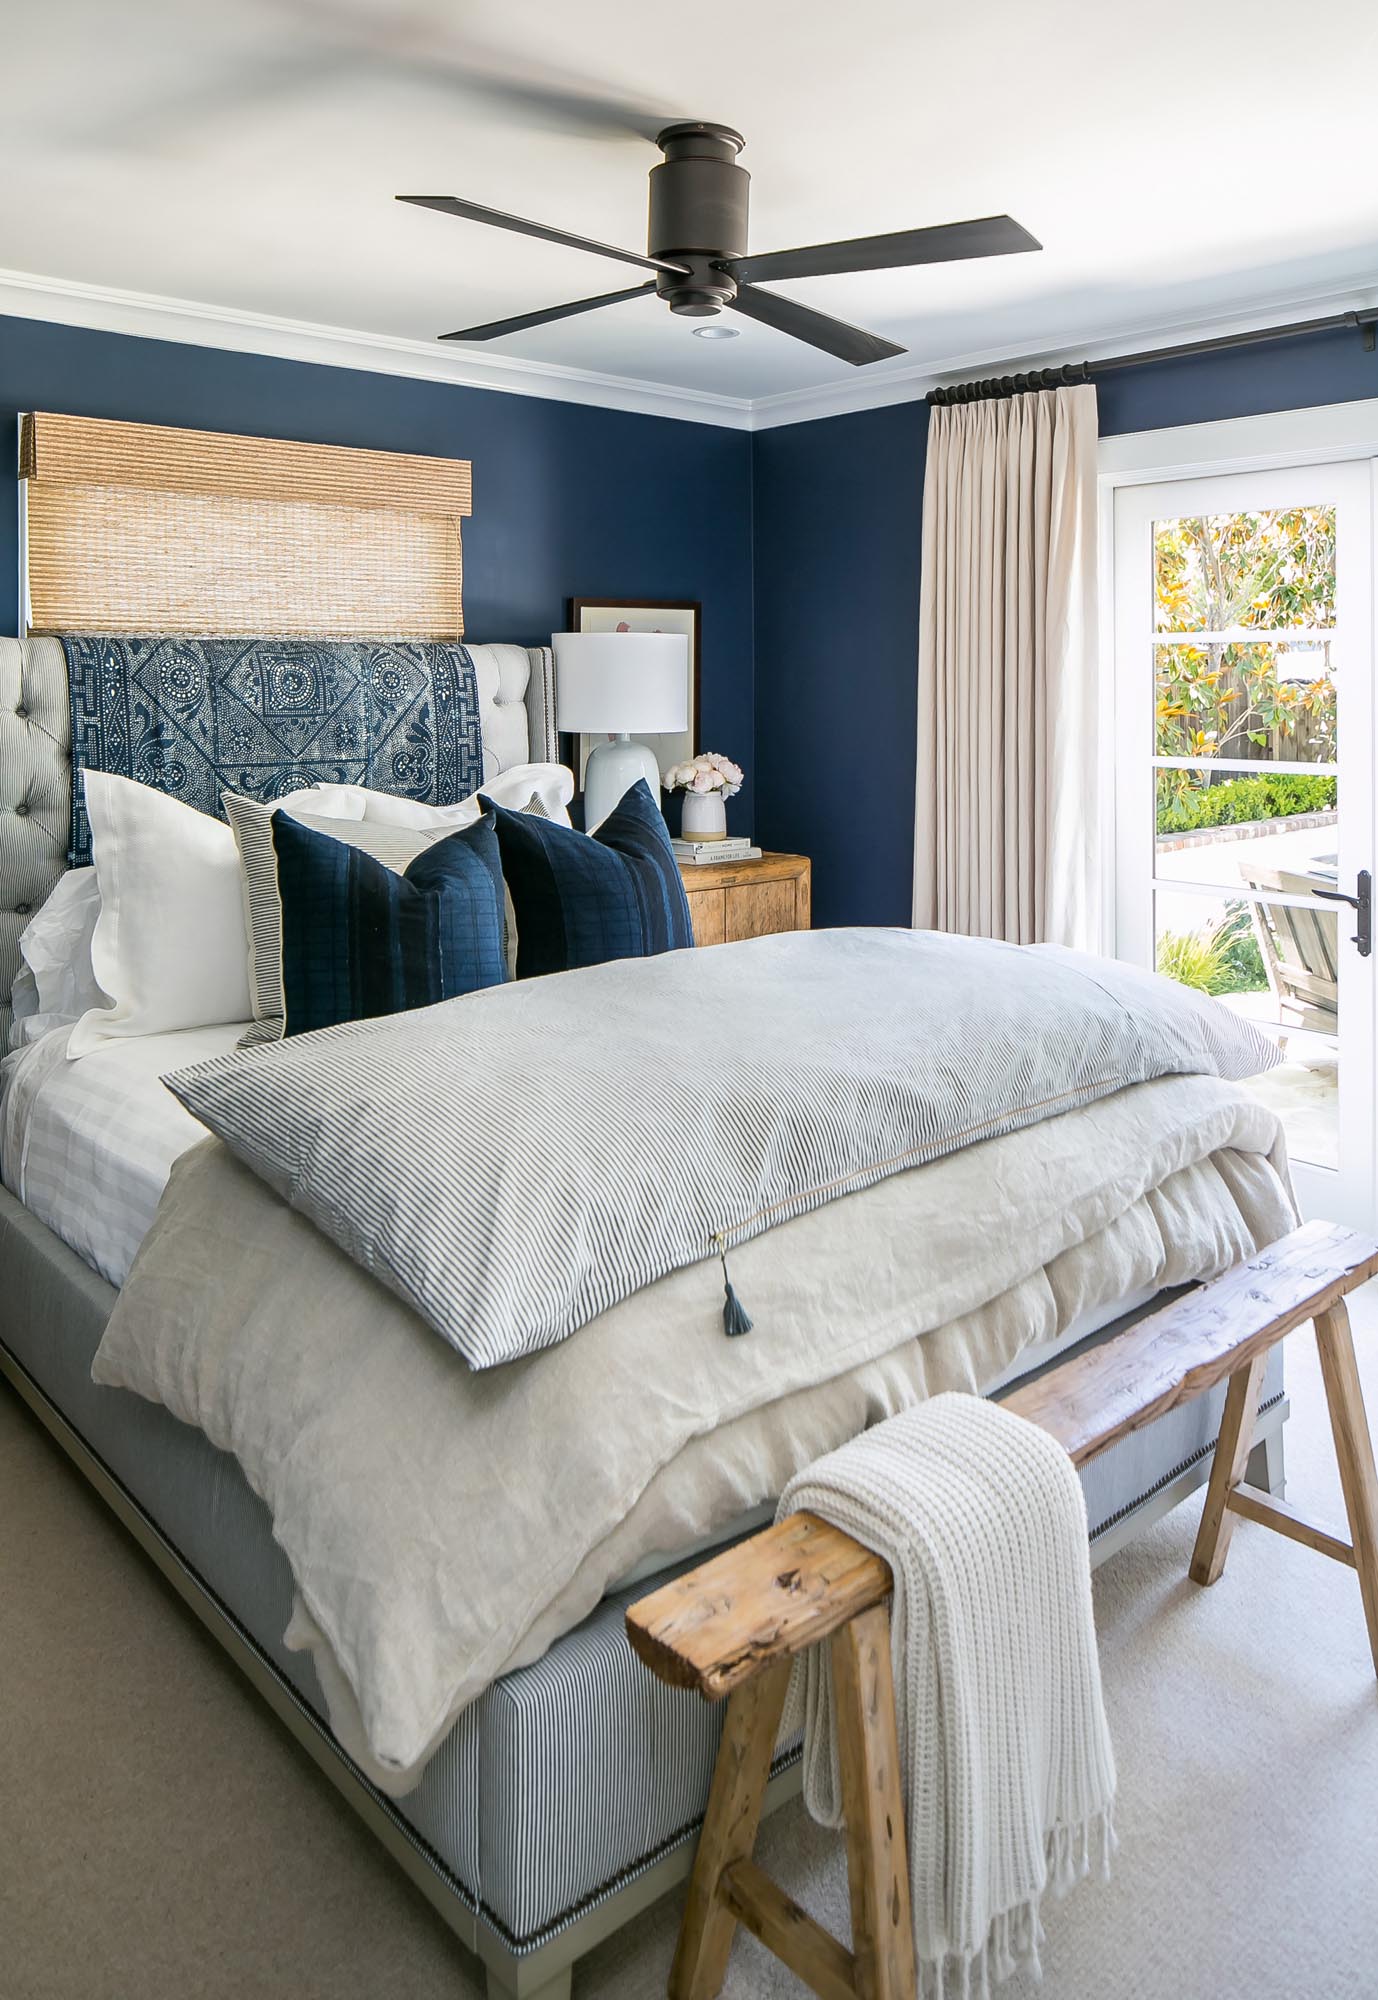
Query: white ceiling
(1179, 164)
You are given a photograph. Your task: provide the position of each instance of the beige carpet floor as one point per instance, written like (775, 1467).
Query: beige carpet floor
(161, 1838)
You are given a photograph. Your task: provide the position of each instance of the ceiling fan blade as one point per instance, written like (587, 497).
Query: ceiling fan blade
(313, 48)
(949, 242)
(496, 327)
(472, 211)
(834, 336)
(555, 106)
(418, 46)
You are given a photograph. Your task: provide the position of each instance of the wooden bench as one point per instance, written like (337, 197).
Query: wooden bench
(733, 1626)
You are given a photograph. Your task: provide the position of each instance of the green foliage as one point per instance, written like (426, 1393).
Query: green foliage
(1184, 807)
(1193, 958)
(1221, 958)
(1219, 572)
(1215, 699)
(1264, 572)
(1241, 957)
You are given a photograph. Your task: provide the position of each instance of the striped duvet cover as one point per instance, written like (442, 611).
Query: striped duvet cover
(620, 1122)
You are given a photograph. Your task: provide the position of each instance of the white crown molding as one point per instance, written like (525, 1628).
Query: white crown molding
(103, 309)
(150, 317)
(885, 387)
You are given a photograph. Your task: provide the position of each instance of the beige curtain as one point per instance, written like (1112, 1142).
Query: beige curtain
(1006, 839)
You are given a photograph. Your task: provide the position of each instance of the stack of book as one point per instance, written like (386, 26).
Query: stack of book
(695, 853)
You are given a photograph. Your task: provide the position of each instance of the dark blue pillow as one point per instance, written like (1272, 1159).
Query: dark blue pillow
(582, 898)
(359, 939)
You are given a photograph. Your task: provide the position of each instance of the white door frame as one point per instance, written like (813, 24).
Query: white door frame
(1281, 439)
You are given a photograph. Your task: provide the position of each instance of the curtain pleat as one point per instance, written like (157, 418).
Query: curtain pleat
(1007, 839)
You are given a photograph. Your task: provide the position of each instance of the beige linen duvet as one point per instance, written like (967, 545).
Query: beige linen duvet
(444, 1525)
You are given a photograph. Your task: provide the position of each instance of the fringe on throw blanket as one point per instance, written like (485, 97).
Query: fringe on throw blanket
(1006, 1764)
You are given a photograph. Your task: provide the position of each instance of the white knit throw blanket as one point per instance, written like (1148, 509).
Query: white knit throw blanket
(1006, 1764)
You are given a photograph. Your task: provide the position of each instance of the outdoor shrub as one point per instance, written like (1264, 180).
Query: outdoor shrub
(1193, 958)
(1217, 959)
(1272, 795)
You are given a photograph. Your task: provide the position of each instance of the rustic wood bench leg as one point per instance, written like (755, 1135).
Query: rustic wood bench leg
(1354, 1452)
(877, 1854)
(729, 1832)
(1227, 1469)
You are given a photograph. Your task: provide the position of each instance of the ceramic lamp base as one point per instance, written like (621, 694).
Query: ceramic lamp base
(612, 769)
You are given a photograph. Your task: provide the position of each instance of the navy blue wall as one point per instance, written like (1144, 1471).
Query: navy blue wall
(822, 518)
(838, 520)
(838, 509)
(568, 501)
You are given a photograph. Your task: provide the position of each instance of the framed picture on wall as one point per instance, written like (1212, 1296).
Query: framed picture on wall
(635, 614)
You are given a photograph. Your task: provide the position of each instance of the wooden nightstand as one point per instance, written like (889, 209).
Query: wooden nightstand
(745, 899)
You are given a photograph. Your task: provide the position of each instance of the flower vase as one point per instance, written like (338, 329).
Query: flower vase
(704, 817)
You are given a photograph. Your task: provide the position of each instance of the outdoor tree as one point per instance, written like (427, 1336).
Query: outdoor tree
(1228, 575)
(1227, 694)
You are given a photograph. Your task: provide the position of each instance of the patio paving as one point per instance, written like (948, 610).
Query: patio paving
(1304, 1089)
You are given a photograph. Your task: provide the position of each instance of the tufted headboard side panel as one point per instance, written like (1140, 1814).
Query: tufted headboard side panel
(516, 688)
(35, 792)
(517, 717)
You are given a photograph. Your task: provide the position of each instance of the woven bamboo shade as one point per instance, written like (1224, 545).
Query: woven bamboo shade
(138, 528)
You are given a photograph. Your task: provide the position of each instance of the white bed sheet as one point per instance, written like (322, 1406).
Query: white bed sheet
(88, 1146)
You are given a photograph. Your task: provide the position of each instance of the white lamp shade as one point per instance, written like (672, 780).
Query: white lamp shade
(608, 683)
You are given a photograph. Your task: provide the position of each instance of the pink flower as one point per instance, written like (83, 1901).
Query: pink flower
(710, 771)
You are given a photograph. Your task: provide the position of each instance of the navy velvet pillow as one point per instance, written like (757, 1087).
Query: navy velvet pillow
(359, 939)
(582, 898)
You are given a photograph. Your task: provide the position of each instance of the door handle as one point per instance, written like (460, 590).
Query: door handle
(1363, 903)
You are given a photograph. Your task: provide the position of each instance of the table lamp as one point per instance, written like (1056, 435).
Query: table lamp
(609, 683)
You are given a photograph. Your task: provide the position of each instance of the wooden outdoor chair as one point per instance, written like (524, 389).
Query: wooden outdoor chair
(1299, 950)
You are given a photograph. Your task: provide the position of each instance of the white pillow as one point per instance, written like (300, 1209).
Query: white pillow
(55, 983)
(552, 784)
(169, 946)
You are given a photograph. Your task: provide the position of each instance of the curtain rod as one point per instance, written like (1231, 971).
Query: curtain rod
(1086, 371)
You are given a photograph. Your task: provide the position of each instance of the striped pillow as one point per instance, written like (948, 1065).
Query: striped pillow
(394, 844)
(360, 939)
(252, 822)
(582, 899)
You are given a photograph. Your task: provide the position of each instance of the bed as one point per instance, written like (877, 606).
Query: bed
(566, 1796)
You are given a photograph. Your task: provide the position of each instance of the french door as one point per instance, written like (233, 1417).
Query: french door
(1244, 782)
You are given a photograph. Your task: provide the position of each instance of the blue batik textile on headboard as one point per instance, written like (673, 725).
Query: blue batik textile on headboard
(195, 717)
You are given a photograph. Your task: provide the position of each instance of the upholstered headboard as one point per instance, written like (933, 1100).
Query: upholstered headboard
(516, 688)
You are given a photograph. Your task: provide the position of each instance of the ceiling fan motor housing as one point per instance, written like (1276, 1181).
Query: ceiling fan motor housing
(698, 215)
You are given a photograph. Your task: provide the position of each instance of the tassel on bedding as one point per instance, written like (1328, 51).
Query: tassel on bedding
(735, 1317)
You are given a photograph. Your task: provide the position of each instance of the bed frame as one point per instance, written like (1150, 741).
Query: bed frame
(542, 1973)
(45, 1282)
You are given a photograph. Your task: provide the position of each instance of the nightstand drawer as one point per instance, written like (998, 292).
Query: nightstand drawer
(708, 910)
(747, 899)
(761, 908)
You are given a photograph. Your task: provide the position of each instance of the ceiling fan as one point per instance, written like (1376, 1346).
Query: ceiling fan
(696, 246)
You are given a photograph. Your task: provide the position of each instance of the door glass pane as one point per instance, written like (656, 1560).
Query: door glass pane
(1273, 830)
(1261, 701)
(1264, 569)
(1276, 964)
